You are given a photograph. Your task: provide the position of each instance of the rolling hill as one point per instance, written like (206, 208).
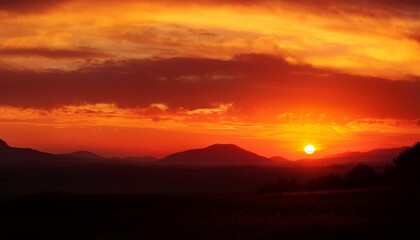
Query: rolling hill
(376, 157)
(27, 157)
(84, 154)
(217, 154)
(214, 155)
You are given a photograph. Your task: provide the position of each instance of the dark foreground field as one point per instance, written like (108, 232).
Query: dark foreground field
(344, 214)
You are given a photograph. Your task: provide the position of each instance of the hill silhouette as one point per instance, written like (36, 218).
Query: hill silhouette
(214, 155)
(128, 160)
(27, 157)
(381, 156)
(217, 154)
(281, 161)
(3, 145)
(84, 154)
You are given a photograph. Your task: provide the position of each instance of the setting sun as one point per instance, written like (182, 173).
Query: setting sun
(309, 149)
(305, 112)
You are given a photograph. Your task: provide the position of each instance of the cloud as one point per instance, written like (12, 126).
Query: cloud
(257, 86)
(414, 36)
(53, 53)
(347, 42)
(29, 6)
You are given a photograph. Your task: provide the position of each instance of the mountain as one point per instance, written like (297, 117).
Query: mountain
(281, 161)
(214, 155)
(27, 157)
(125, 160)
(136, 160)
(217, 154)
(3, 145)
(84, 154)
(377, 156)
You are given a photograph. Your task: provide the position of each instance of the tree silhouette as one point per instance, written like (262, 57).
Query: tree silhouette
(281, 185)
(405, 171)
(406, 174)
(360, 176)
(328, 182)
(407, 165)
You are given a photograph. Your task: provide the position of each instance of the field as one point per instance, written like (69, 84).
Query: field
(186, 202)
(340, 214)
(20, 180)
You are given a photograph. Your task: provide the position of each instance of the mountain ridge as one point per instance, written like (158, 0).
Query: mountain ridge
(84, 154)
(216, 154)
(380, 156)
(213, 155)
(3, 144)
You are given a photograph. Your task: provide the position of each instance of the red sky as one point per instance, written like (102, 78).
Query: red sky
(123, 78)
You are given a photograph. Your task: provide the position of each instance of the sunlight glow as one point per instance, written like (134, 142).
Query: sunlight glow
(309, 149)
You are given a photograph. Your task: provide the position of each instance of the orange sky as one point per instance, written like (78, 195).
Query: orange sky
(124, 78)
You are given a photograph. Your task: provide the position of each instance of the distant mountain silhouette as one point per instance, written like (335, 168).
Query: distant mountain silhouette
(377, 156)
(214, 155)
(217, 154)
(27, 157)
(84, 154)
(136, 160)
(281, 161)
(92, 156)
(379, 153)
(3, 145)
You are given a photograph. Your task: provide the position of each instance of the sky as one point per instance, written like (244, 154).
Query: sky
(137, 78)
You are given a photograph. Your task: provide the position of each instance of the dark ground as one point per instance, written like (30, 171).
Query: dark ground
(121, 201)
(180, 202)
(20, 180)
(343, 214)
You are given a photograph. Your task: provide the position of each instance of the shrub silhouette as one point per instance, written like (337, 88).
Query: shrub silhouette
(329, 182)
(360, 176)
(405, 171)
(387, 178)
(281, 185)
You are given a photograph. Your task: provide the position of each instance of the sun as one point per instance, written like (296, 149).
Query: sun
(309, 149)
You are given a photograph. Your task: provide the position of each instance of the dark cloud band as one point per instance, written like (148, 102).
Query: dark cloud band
(29, 6)
(253, 83)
